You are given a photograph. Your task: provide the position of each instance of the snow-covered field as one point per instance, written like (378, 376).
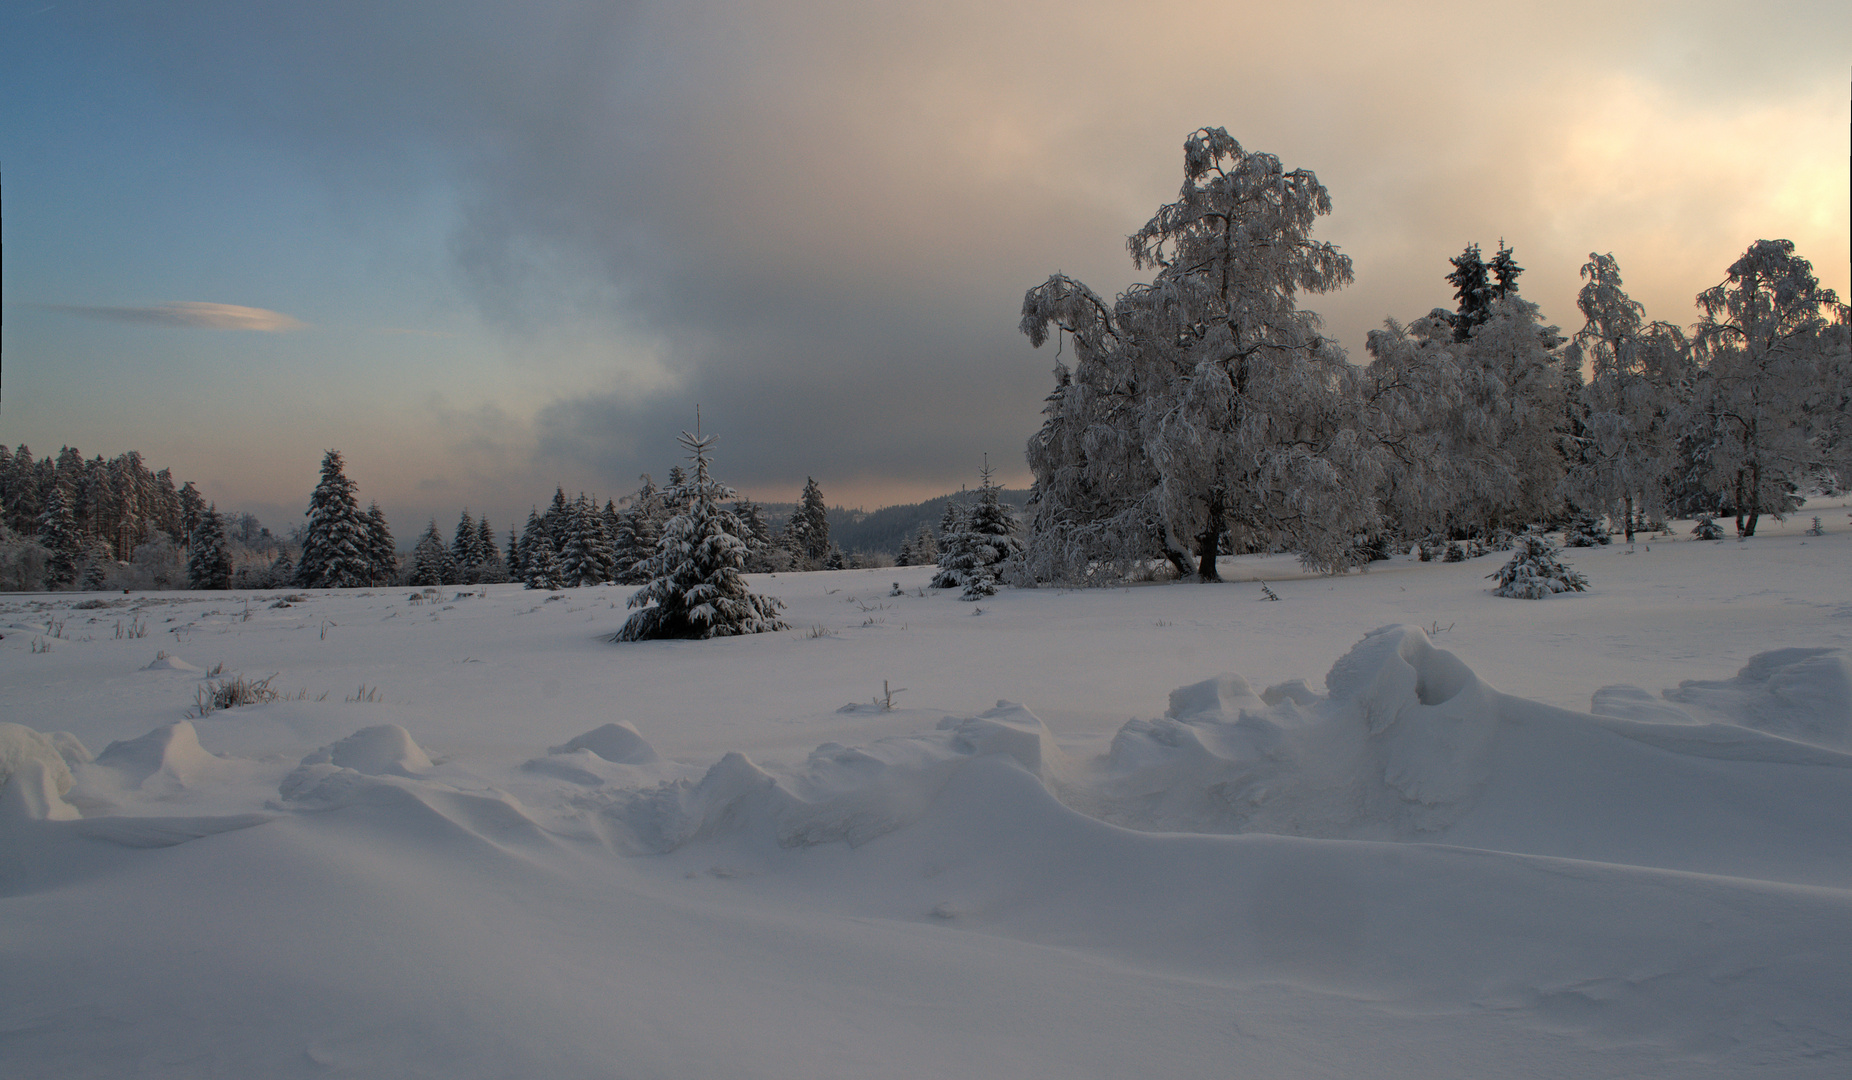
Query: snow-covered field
(1603, 834)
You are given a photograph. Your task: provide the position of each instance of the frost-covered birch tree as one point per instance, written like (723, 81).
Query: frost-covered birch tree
(1626, 453)
(1205, 411)
(1765, 343)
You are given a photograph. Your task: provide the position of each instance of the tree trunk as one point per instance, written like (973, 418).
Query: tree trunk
(1205, 556)
(1209, 541)
(1629, 505)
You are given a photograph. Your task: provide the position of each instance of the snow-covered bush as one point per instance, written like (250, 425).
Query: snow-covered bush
(1707, 529)
(1535, 572)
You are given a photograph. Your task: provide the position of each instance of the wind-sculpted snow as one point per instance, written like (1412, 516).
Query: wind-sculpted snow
(848, 794)
(1396, 749)
(1256, 879)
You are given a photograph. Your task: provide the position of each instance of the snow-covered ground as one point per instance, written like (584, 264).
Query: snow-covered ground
(1602, 834)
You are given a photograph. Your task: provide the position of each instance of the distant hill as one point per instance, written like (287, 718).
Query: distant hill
(883, 530)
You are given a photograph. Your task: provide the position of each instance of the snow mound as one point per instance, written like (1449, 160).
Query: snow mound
(169, 755)
(31, 792)
(1398, 747)
(1803, 694)
(171, 663)
(380, 750)
(20, 745)
(847, 794)
(616, 742)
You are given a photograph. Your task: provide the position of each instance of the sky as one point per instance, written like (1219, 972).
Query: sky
(487, 248)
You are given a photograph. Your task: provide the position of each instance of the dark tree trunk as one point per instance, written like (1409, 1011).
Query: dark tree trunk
(1629, 505)
(1209, 541)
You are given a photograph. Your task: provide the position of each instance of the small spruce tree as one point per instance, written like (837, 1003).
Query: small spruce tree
(695, 587)
(986, 537)
(1535, 572)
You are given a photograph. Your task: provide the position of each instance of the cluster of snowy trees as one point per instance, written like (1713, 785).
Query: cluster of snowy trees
(575, 543)
(342, 547)
(472, 557)
(1204, 413)
(91, 523)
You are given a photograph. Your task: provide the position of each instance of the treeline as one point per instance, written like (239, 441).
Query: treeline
(71, 521)
(1205, 413)
(576, 542)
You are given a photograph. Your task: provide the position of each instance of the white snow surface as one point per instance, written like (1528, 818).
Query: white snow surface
(1390, 826)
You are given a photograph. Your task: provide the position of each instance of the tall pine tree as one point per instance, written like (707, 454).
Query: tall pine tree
(334, 546)
(208, 564)
(58, 536)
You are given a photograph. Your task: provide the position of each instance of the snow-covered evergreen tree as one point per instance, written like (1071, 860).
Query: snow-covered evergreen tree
(58, 536)
(516, 564)
(334, 543)
(984, 540)
(466, 547)
(809, 528)
(382, 550)
(432, 562)
(539, 562)
(492, 567)
(1535, 572)
(1205, 410)
(208, 564)
(695, 589)
(587, 557)
(1472, 292)
(191, 505)
(558, 519)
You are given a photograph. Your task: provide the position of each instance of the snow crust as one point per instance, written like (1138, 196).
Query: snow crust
(1406, 868)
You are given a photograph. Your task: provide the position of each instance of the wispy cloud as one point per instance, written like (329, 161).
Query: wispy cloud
(193, 315)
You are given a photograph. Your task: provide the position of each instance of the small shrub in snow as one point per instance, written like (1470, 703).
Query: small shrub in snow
(1535, 572)
(1707, 529)
(1818, 529)
(232, 693)
(1456, 552)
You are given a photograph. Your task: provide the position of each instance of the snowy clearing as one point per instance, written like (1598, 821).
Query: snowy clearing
(1390, 825)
